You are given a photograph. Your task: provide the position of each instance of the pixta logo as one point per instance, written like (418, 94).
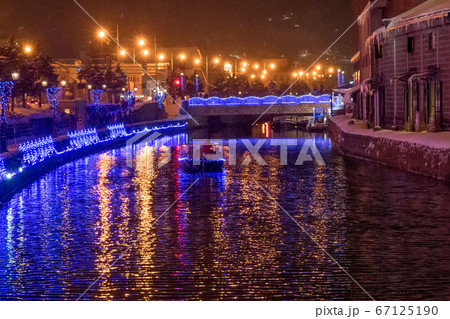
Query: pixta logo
(150, 152)
(147, 153)
(308, 152)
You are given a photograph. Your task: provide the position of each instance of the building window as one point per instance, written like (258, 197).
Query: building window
(432, 41)
(410, 44)
(378, 51)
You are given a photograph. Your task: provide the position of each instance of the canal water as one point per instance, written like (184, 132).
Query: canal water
(226, 238)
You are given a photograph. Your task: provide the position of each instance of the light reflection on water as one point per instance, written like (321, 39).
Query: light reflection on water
(225, 239)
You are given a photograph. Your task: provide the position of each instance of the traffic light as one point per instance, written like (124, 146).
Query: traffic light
(177, 82)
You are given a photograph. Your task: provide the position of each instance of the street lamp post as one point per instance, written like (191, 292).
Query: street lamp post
(204, 73)
(196, 85)
(44, 85)
(183, 58)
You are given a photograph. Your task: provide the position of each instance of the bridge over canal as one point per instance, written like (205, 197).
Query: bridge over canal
(234, 110)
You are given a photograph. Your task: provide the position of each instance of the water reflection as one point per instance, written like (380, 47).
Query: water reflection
(225, 239)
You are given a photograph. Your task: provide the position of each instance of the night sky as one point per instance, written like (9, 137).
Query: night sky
(251, 27)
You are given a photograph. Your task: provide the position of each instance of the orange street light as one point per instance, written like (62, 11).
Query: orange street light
(272, 66)
(101, 34)
(141, 42)
(216, 60)
(145, 52)
(123, 52)
(161, 56)
(28, 49)
(256, 66)
(197, 61)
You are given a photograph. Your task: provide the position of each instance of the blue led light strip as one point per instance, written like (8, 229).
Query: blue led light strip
(54, 97)
(266, 100)
(160, 96)
(37, 150)
(96, 97)
(5, 93)
(83, 138)
(117, 130)
(129, 98)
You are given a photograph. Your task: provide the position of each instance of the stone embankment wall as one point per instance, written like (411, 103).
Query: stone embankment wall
(396, 149)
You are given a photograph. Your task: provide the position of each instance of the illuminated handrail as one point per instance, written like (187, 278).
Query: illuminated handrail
(266, 100)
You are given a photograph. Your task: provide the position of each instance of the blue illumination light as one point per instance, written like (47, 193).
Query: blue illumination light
(266, 100)
(129, 98)
(307, 99)
(5, 93)
(160, 96)
(232, 101)
(83, 138)
(117, 130)
(269, 100)
(324, 99)
(196, 101)
(288, 99)
(96, 97)
(37, 150)
(214, 101)
(54, 97)
(2, 168)
(251, 100)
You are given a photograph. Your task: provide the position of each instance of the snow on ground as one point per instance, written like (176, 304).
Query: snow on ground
(438, 140)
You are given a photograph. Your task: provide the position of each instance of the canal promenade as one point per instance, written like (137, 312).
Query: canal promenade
(417, 152)
(16, 173)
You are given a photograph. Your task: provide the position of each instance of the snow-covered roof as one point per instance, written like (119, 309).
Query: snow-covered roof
(428, 10)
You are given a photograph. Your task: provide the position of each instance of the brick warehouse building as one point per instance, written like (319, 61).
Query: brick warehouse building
(402, 69)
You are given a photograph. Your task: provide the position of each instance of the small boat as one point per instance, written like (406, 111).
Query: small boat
(289, 122)
(204, 163)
